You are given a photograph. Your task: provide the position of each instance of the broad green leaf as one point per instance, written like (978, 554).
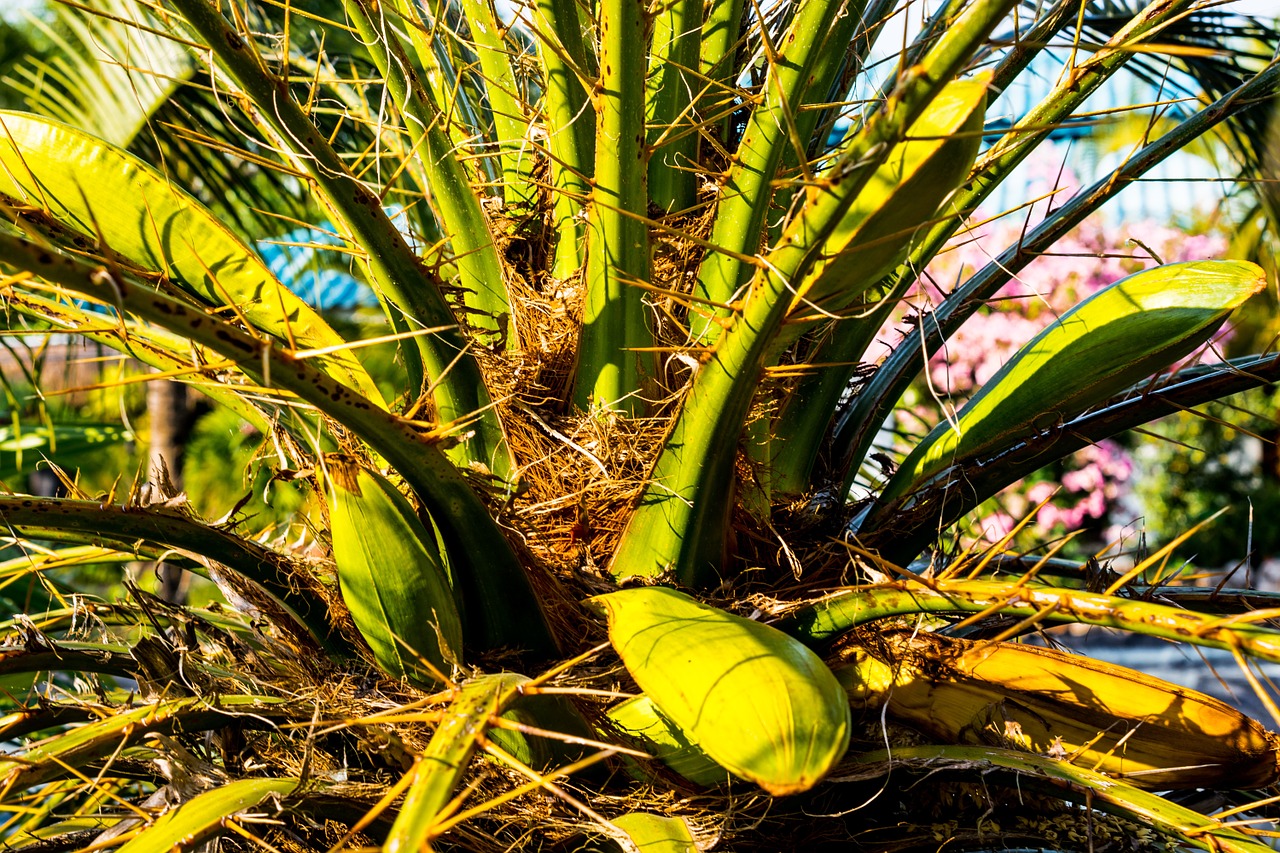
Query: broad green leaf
(97, 188)
(438, 771)
(21, 449)
(41, 837)
(901, 197)
(391, 574)
(757, 701)
(640, 721)
(204, 814)
(653, 833)
(551, 713)
(1123, 333)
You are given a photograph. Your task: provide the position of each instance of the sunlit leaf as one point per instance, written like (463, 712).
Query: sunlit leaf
(757, 701)
(205, 814)
(1135, 327)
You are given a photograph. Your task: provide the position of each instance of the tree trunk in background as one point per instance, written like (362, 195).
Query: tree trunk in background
(170, 411)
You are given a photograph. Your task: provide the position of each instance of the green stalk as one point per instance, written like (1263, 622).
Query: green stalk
(510, 122)
(746, 193)
(721, 37)
(458, 386)
(570, 122)
(873, 237)
(94, 520)
(856, 427)
(680, 524)
(152, 346)
(610, 370)
(439, 770)
(672, 84)
(993, 167)
(46, 656)
(875, 14)
(819, 624)
(1189, 827)
(431, 40)
(498, 593)
(797, 156)
(464, 222)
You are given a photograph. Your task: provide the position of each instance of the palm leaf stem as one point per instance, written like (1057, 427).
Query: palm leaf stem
(277, 576)
(612, 361)
(570, 122)
(973, 483)
(496, 589)
(1174, 821)
(856, 426)
(680, 524)
(392, 267)
(464, 223)
(821, 623)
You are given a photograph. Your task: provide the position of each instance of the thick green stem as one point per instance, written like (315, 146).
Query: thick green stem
(721, 34)
(452, 194)
(570, 127)
(614, 326)
(680, 524)
(672, 85)
(822, 76)
(510, 122)
(746, 193)
(443, 60)
(459, 390)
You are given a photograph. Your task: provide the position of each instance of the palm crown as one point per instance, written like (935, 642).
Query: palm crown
(631, 259)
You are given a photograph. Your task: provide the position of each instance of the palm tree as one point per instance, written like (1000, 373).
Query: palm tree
(631, 259)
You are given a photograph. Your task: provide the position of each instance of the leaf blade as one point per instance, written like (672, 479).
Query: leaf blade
(757, 701)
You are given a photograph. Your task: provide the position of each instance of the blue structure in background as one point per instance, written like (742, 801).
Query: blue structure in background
(314, 274)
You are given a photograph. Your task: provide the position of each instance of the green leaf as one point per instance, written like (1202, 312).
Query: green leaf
(67, 444)
(204, 814)
(757, 701)
(902, 195)
(97, 188)
(638, 720)
(1127, 331)
(653, 833)
(437, 773)
(391, 574)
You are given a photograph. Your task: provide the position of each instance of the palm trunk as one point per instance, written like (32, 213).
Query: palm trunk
(168, 406)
